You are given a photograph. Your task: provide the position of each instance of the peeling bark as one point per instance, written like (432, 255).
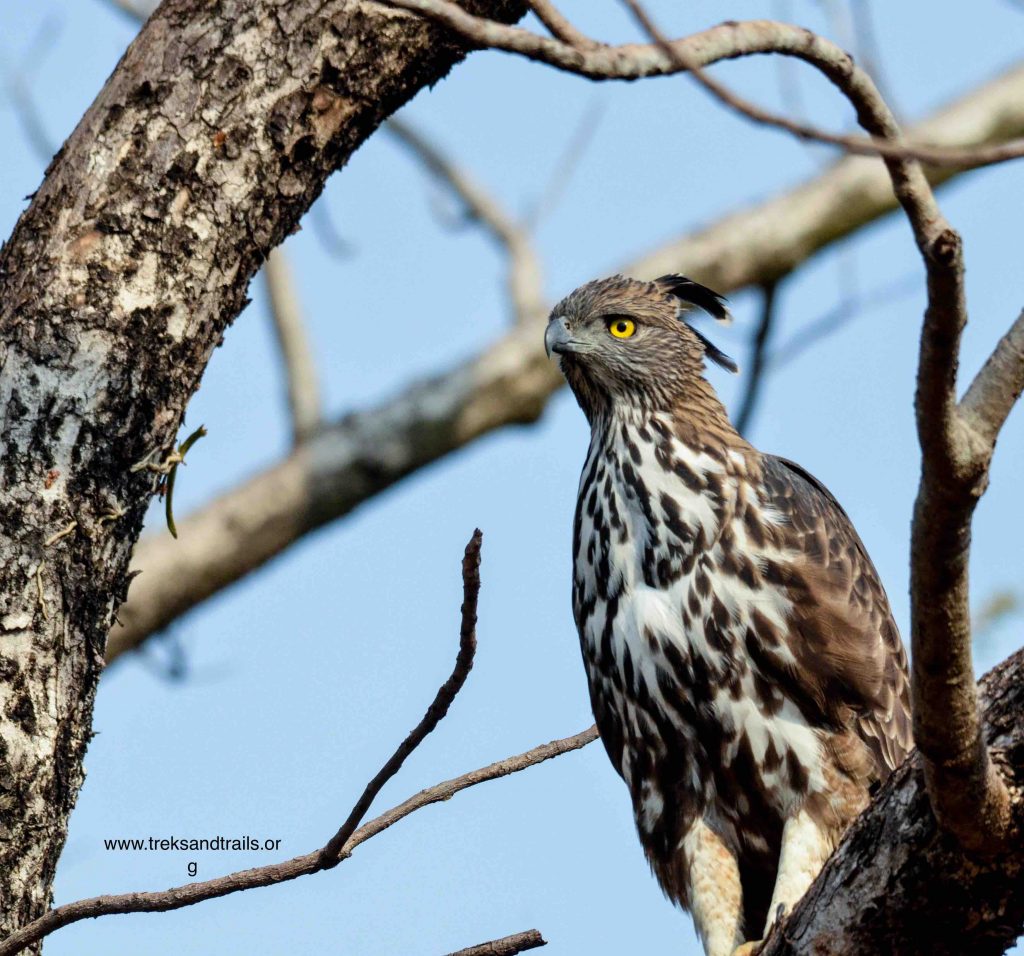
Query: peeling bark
(214, 134)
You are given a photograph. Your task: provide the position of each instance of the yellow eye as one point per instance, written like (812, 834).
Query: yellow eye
(622, 328)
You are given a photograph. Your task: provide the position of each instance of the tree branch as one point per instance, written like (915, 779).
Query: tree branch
(182, 896)
(366, 452)
(348, 837)
(506, 946)
(631, 61)
(559, 26)
(525, 285)
(996, 387)
(438, 709)
(299, 367)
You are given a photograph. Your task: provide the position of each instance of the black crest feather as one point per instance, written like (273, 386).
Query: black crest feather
(714, 353)
(693, 293)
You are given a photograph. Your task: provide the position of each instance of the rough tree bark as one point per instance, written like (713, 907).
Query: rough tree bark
(209, 141)
(898, 884)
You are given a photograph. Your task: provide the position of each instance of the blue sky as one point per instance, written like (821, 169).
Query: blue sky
(301, 680)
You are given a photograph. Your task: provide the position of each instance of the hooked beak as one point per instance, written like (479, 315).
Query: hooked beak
(557, 337)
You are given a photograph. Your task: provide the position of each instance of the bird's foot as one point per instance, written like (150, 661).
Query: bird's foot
(748, 949)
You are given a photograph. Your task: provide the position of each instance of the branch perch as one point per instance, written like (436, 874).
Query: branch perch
(507, 946)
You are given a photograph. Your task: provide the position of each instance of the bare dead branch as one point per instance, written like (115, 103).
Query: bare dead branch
(153, 902)
(348, 837)
(525, 285)
(358, 456)
(506, 946)
(969, 795)
(19, 83)
(755, 377)
(446, 790)
(630, 61)
(334, 243)
(438, 709)
(908, 180)
(296, 354)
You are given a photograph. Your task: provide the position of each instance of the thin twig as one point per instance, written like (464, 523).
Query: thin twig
(567, 164)
(633, 61)
(448, 788)
(20, 82)
(525, 285)
(293, 343)
(175, 461)
(436, 712)
(838, 318)
(506, 946)
(181, 896)
(757, 361)
(340, 846)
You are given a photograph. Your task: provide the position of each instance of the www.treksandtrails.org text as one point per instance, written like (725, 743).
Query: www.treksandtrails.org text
(189, 844)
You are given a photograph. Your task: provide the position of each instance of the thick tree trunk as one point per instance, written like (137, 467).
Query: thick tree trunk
(898, 885)
(212, 137)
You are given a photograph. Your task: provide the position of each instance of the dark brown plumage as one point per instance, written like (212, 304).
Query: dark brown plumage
(744, 668)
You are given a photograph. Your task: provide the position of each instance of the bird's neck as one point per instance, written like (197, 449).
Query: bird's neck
(697, 418)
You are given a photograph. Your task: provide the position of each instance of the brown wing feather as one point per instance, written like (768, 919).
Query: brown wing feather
(843, 637)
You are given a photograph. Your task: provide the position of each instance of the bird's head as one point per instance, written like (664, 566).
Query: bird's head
(625, 342)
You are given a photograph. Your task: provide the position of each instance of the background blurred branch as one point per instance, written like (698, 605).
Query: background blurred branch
(525, 285)
(362, 454)
(758, 355)
(136, 9)
(289, 326)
